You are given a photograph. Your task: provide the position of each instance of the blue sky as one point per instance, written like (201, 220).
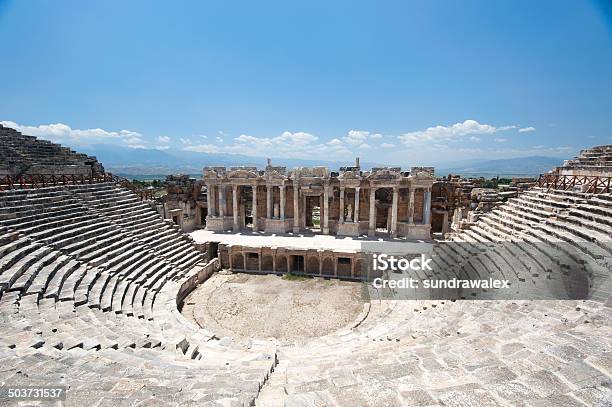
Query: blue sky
(403, 82)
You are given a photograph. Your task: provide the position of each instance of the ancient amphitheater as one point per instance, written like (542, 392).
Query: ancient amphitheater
(93, 280)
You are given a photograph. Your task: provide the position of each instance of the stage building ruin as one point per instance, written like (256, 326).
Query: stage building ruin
(350, 202)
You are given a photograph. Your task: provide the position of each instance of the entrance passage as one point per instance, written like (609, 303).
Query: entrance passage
(313, 213)
(297, 264)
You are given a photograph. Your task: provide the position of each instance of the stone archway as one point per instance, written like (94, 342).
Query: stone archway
(328, 266)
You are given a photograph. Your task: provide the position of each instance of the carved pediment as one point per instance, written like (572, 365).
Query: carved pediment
(347, 175)
(307, 172)
(214, 172)
(243, 173)
(274, 175)
(384, 174)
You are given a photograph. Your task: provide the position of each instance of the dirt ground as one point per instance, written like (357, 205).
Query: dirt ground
(261, 306)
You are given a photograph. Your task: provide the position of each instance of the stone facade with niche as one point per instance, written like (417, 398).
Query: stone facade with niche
(350, 202)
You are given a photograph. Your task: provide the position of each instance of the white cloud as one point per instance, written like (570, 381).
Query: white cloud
(287, 144)
(358, 137)
(448, 133)
(430, 144)
(60, 132)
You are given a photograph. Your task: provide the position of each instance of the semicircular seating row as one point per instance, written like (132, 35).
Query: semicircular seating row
(92, 270)
(545, 242)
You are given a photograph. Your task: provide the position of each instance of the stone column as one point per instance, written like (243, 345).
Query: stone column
(269, 201)
(356, 217)
(372, 225)
(394, 212)
(254, 209)
(326, 210)
(427, 207)
(282, 202)
(411, 207)
(209, 200)
(444, 223)
(303, 213)
(222, 200)
(341, 217)
(235, 207)
(296, 207)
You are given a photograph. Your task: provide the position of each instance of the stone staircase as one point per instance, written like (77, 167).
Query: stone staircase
(89, 281)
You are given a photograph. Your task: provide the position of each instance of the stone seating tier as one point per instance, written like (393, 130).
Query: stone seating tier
(77, 278)
(22, 155)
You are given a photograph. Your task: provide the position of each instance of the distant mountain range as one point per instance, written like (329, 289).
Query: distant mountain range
(521, 166)
(139, 163)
